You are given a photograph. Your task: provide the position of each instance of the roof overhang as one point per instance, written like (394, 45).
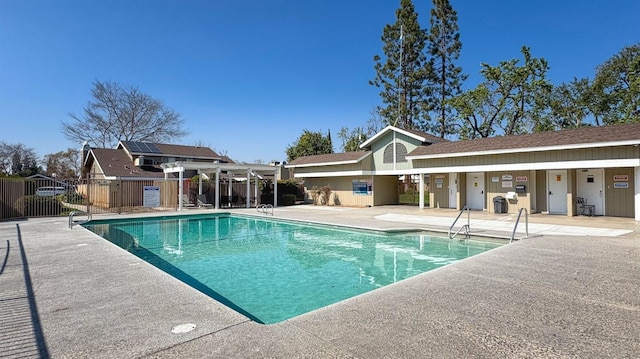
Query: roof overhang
(392, 128)
(126, 178)
(533, 166)
(526, 149)
(207, 167)
(335, 163)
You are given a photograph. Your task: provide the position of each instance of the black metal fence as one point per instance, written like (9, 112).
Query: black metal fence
(43, 197)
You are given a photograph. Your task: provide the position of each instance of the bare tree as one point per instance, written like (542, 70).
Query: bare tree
(65, 164)
(123, 114)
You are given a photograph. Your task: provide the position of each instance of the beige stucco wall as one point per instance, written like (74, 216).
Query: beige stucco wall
(385, 189)
(341, 190)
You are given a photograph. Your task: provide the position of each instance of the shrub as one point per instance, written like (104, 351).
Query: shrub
(325, 194)
(315, 193)
(34, 206)
(74, 198)
(289, 199)
(290, 187)
(266, 198)
(266, 186)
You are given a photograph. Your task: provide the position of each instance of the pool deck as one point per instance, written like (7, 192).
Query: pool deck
(571, 290)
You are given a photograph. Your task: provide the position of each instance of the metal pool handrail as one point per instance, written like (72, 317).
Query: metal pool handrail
(73, 213)
(264, 208)
(526, 217)
(466, 227)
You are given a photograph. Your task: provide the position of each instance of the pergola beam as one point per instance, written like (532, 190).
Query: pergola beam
(207, 168)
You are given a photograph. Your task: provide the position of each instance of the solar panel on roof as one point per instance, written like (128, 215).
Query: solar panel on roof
(142, 147)
(152, 147)
(133, 146)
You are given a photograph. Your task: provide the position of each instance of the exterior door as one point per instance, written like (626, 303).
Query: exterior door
(591, 188)
(453, 190)
(557, 186)
(475, 190)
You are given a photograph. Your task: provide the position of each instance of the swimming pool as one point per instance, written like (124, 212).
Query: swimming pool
(272, 270)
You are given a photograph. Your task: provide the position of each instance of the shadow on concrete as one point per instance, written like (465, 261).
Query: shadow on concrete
(21, 334)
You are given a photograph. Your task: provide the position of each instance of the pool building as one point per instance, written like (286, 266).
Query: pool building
(591, 171)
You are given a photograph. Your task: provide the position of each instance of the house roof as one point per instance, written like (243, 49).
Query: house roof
(426, 136)
(418, 135)
(116, 163)
(329, 159)
(39, 176)
(170, 150)
(556, 140)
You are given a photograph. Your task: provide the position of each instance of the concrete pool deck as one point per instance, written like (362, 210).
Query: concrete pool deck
(573, 290)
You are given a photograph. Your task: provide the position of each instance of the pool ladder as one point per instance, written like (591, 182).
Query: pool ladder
(265, 208)
(72, 222)
(466, 228)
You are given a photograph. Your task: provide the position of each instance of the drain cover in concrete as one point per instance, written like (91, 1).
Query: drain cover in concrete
(183, 328)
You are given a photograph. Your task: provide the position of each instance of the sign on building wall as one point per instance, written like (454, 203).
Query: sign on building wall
(151, 196)
(362, 187)
(621, 181)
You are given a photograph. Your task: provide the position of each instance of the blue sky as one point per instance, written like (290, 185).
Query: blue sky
(248, 76)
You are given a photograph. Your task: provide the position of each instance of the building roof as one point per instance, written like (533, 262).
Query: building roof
(564, 139)
(329, 159)
(427, 136)
(418, 135)
(116, 163)
(136, 148)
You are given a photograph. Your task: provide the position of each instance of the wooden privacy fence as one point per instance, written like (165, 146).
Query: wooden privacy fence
(126, 195)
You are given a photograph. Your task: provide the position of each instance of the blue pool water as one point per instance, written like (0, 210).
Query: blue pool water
(271, 270)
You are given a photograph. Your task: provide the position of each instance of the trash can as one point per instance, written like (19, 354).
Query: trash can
(499, 204)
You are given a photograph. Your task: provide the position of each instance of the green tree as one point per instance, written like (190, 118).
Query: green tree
(65, 164)
(18, 160)
(117, 114)
(616, 87)
(309, 143)
(512, 99)
(444, 47)
(404, 72)
(569, 106)
(352, 139)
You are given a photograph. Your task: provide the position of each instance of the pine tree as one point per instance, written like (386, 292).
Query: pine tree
(444, 47)
(404, 72)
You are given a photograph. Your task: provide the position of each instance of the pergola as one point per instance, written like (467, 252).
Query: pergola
(208, 168)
